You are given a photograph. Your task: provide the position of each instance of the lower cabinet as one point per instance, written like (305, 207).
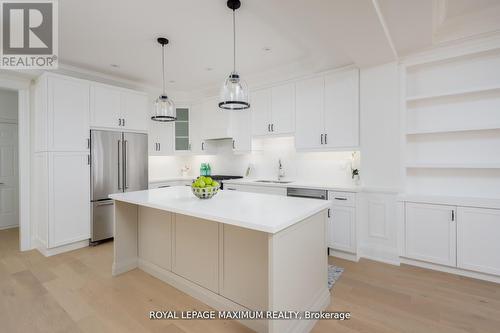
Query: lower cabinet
(342, 228)
(478, 247)
(61, 198)
(431, 233)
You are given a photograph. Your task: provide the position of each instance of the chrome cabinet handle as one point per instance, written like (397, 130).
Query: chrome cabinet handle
(272, 127)
(453, 215)
(233, 145)
(231, 189)
(119, 165)
(123, 122)
(329, 213)
(339, 198)
(125, 162)
(321, 138)
(326, 140)
(203, 146)
(163, 186)
(88, 143)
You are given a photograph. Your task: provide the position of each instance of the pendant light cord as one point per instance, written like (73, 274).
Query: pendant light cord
(163, 68)
(234, 41)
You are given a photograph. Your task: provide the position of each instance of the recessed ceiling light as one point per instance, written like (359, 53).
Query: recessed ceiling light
(171, 81)
(115, 65)
(208, 69)
(267, 49)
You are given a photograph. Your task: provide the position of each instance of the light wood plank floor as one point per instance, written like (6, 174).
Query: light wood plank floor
(74, 292)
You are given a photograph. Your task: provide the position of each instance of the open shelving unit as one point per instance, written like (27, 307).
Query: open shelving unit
(452, 136)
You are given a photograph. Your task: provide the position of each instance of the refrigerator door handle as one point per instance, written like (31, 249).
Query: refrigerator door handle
(125, 162)
(119, 165)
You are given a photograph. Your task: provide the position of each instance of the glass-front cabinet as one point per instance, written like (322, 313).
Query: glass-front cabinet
(182, 130)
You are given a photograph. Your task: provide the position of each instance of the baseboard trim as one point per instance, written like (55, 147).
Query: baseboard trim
(123, 267)
(206, 296)
(5, 227)
(61, 249)
(451, 270)
(343, 255)
(386, 255)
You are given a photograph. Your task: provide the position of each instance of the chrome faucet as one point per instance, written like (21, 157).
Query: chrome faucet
(281, 172)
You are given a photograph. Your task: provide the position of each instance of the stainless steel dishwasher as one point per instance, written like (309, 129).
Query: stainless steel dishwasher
(307, 193)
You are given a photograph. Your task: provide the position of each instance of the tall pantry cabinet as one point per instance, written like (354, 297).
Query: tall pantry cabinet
(61, 168)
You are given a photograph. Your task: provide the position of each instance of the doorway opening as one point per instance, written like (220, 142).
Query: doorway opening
(9, 163)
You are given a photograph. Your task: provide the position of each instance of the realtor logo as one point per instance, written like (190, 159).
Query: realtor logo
(29, 34)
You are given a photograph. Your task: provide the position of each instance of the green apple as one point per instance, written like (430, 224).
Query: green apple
(208, 180)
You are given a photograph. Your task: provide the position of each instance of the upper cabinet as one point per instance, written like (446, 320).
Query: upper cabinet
(216, 122)
(182, 132)
(273, 110)
(117, 108)
(327, 111)
(62, 114)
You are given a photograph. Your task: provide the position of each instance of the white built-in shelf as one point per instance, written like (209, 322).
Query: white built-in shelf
(453, 165)
(450, 130)
(452, 93)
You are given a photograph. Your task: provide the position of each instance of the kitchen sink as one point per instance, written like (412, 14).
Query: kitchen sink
(273, 181)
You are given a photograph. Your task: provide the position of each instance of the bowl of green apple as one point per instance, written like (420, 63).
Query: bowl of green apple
(204, 187)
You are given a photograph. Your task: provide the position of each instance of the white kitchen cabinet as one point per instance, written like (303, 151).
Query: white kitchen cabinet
(309, 114)
(260, 108)
(69, 198)
(161, 138)
(342, 109)
(135, 110)
(283, 109)
(117, 108)
(273, 110)
(197, 144)
(105, 106)
(216, 122)
(327, 111)
(62, 114)
(342, 228)
(256, 189)
(478, 247)
(342, 221)
(242, 132)
(431, 233)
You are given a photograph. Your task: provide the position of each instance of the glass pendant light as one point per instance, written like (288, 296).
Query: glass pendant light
(234, 92)
(164, 106)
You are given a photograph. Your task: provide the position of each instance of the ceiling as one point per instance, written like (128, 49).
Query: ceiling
(275, 38)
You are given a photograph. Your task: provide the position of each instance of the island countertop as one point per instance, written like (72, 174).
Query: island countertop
(256, 211)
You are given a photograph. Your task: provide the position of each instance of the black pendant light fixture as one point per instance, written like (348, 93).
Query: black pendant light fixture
(164, 106)
(234, 92)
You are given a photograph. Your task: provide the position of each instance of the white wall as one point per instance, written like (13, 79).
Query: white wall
(8, 106)
(333, 167)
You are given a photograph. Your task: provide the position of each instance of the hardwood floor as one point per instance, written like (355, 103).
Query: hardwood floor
(74, 292)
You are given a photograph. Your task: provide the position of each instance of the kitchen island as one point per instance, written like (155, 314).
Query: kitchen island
(236, 252)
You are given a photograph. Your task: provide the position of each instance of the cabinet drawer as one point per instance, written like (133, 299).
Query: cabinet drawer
(342, 198)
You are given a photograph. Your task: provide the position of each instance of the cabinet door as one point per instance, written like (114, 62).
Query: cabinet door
(105, 109)
(342, 228)
(256, 189)
(161, 138)
(260, 107)
(309, 113)
(478, 247)
(216, 121)
(69, 198)
(242, 136)
(431, 233)
(9, 203)
(135, 110)
(283, 109)
(68, 114)
(342, 109)
(195, 128)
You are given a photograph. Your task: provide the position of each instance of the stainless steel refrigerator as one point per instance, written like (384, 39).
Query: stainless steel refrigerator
(119, 163)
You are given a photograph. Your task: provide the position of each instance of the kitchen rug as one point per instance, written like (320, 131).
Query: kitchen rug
(334, 273)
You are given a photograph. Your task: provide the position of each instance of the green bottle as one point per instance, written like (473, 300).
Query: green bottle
(209, 170)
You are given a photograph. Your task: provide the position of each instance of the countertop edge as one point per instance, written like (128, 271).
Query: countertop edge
(243, 224)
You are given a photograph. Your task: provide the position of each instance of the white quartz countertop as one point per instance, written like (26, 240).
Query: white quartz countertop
(256, 211)
(297, 184)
